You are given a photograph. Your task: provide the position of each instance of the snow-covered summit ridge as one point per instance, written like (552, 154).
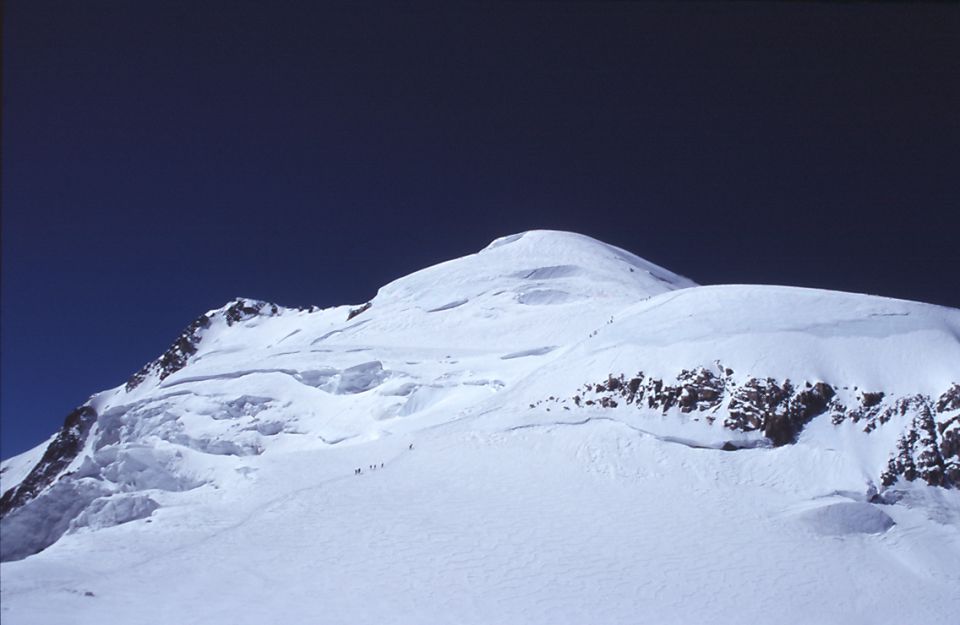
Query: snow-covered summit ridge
(526, 276)
(539, 267)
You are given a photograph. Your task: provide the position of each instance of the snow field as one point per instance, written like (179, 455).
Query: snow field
(554, 524)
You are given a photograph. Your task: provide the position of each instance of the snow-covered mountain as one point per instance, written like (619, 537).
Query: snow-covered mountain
(550, 430)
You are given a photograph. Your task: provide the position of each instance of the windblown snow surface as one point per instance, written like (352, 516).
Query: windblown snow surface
(221, 484)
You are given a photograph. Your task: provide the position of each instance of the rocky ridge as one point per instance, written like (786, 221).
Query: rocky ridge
(928, 448)
(177, 355)
(57, 457)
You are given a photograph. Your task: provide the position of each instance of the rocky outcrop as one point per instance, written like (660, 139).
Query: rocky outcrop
(950, 400)
(185, 346)
(948, 432)
(358, 310)
(778, 409)
(928, 448)
(176, 356)
(245, 309)
(57, 457)
(918, 453)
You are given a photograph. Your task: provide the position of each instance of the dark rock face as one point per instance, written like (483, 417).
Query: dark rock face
(695, 390)
(950, 449)
(244, 309)
(59, 454)
(928, 448)
(948, 429)
(178, 354)
(784, 411)
(918, 455)
(358, 310)
(950, 400)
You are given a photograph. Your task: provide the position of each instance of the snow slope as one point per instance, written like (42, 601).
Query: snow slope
(543, 484)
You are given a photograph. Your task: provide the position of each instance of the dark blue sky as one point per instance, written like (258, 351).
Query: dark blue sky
(160, 158)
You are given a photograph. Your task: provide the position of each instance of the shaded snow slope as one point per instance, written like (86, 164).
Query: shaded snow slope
(594, 436)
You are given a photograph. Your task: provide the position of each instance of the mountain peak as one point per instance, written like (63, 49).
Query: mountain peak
(537, 267)
(575, 248)
(550, 372)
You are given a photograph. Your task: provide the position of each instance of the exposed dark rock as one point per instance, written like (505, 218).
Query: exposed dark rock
(949, 431)
(950, 400)
(876, 414)
(760, 405)
(699, 389)
(244, 309)
(918, 455)
(871, 399)
(58, 455)
(359, 309)
(950, 449)
(780, 410)
(800, 410)
(928, 448)
(178, 354)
